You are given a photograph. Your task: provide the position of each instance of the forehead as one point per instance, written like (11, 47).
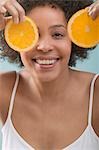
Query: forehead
(47, 13)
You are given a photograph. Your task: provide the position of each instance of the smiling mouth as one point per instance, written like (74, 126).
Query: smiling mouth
(46, 62)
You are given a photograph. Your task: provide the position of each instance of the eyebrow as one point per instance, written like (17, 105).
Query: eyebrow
(57, 26)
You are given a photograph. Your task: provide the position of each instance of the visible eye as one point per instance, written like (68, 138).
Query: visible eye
(58, 35)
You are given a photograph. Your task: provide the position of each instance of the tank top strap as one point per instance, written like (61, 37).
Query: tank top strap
(91, 99)
(13, 95)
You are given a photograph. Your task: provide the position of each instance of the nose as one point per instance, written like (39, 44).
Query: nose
(44, 45)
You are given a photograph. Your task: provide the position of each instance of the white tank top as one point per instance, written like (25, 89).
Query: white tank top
(12, 140)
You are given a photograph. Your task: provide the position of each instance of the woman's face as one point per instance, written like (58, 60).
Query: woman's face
(50, 57)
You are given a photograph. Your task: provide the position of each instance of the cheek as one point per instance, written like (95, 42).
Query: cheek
(66, 46)
(25, 58)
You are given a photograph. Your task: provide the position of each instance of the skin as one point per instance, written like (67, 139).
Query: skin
(14, 8)
(55, 100)
(93, 10)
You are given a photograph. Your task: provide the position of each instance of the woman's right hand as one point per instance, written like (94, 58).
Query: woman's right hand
(14, 8)
(93, 9)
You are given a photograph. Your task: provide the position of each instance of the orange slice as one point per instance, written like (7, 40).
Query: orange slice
(23, 36)
(82, 30)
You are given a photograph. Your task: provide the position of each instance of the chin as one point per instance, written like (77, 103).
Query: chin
(47, 78)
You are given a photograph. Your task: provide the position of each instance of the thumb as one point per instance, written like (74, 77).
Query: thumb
(7, 19)
(4, 21)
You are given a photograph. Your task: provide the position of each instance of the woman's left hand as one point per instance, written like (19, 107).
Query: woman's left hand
(93, 10)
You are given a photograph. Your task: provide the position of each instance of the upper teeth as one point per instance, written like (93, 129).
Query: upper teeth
(45, 62)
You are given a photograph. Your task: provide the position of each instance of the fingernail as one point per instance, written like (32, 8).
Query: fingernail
(16, 21)
(90, 13)
(23, 18)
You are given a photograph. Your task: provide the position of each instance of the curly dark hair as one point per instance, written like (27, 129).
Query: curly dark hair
(69, 7)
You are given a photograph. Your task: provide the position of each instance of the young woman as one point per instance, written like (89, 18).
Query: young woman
(47, 105)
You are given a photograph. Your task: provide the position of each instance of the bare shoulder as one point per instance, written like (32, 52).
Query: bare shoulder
(97, 85)
(7, 80)
(85, 78)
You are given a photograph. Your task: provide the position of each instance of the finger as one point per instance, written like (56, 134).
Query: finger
(90, 9)
(94, 13)
(92, 6)
(4, 21)
(2, 3)
(20, 10)
(3, 10)
(7, 19)
(12, 10)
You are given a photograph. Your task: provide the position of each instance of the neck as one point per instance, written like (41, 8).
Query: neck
(53, 89)
(55, 86)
